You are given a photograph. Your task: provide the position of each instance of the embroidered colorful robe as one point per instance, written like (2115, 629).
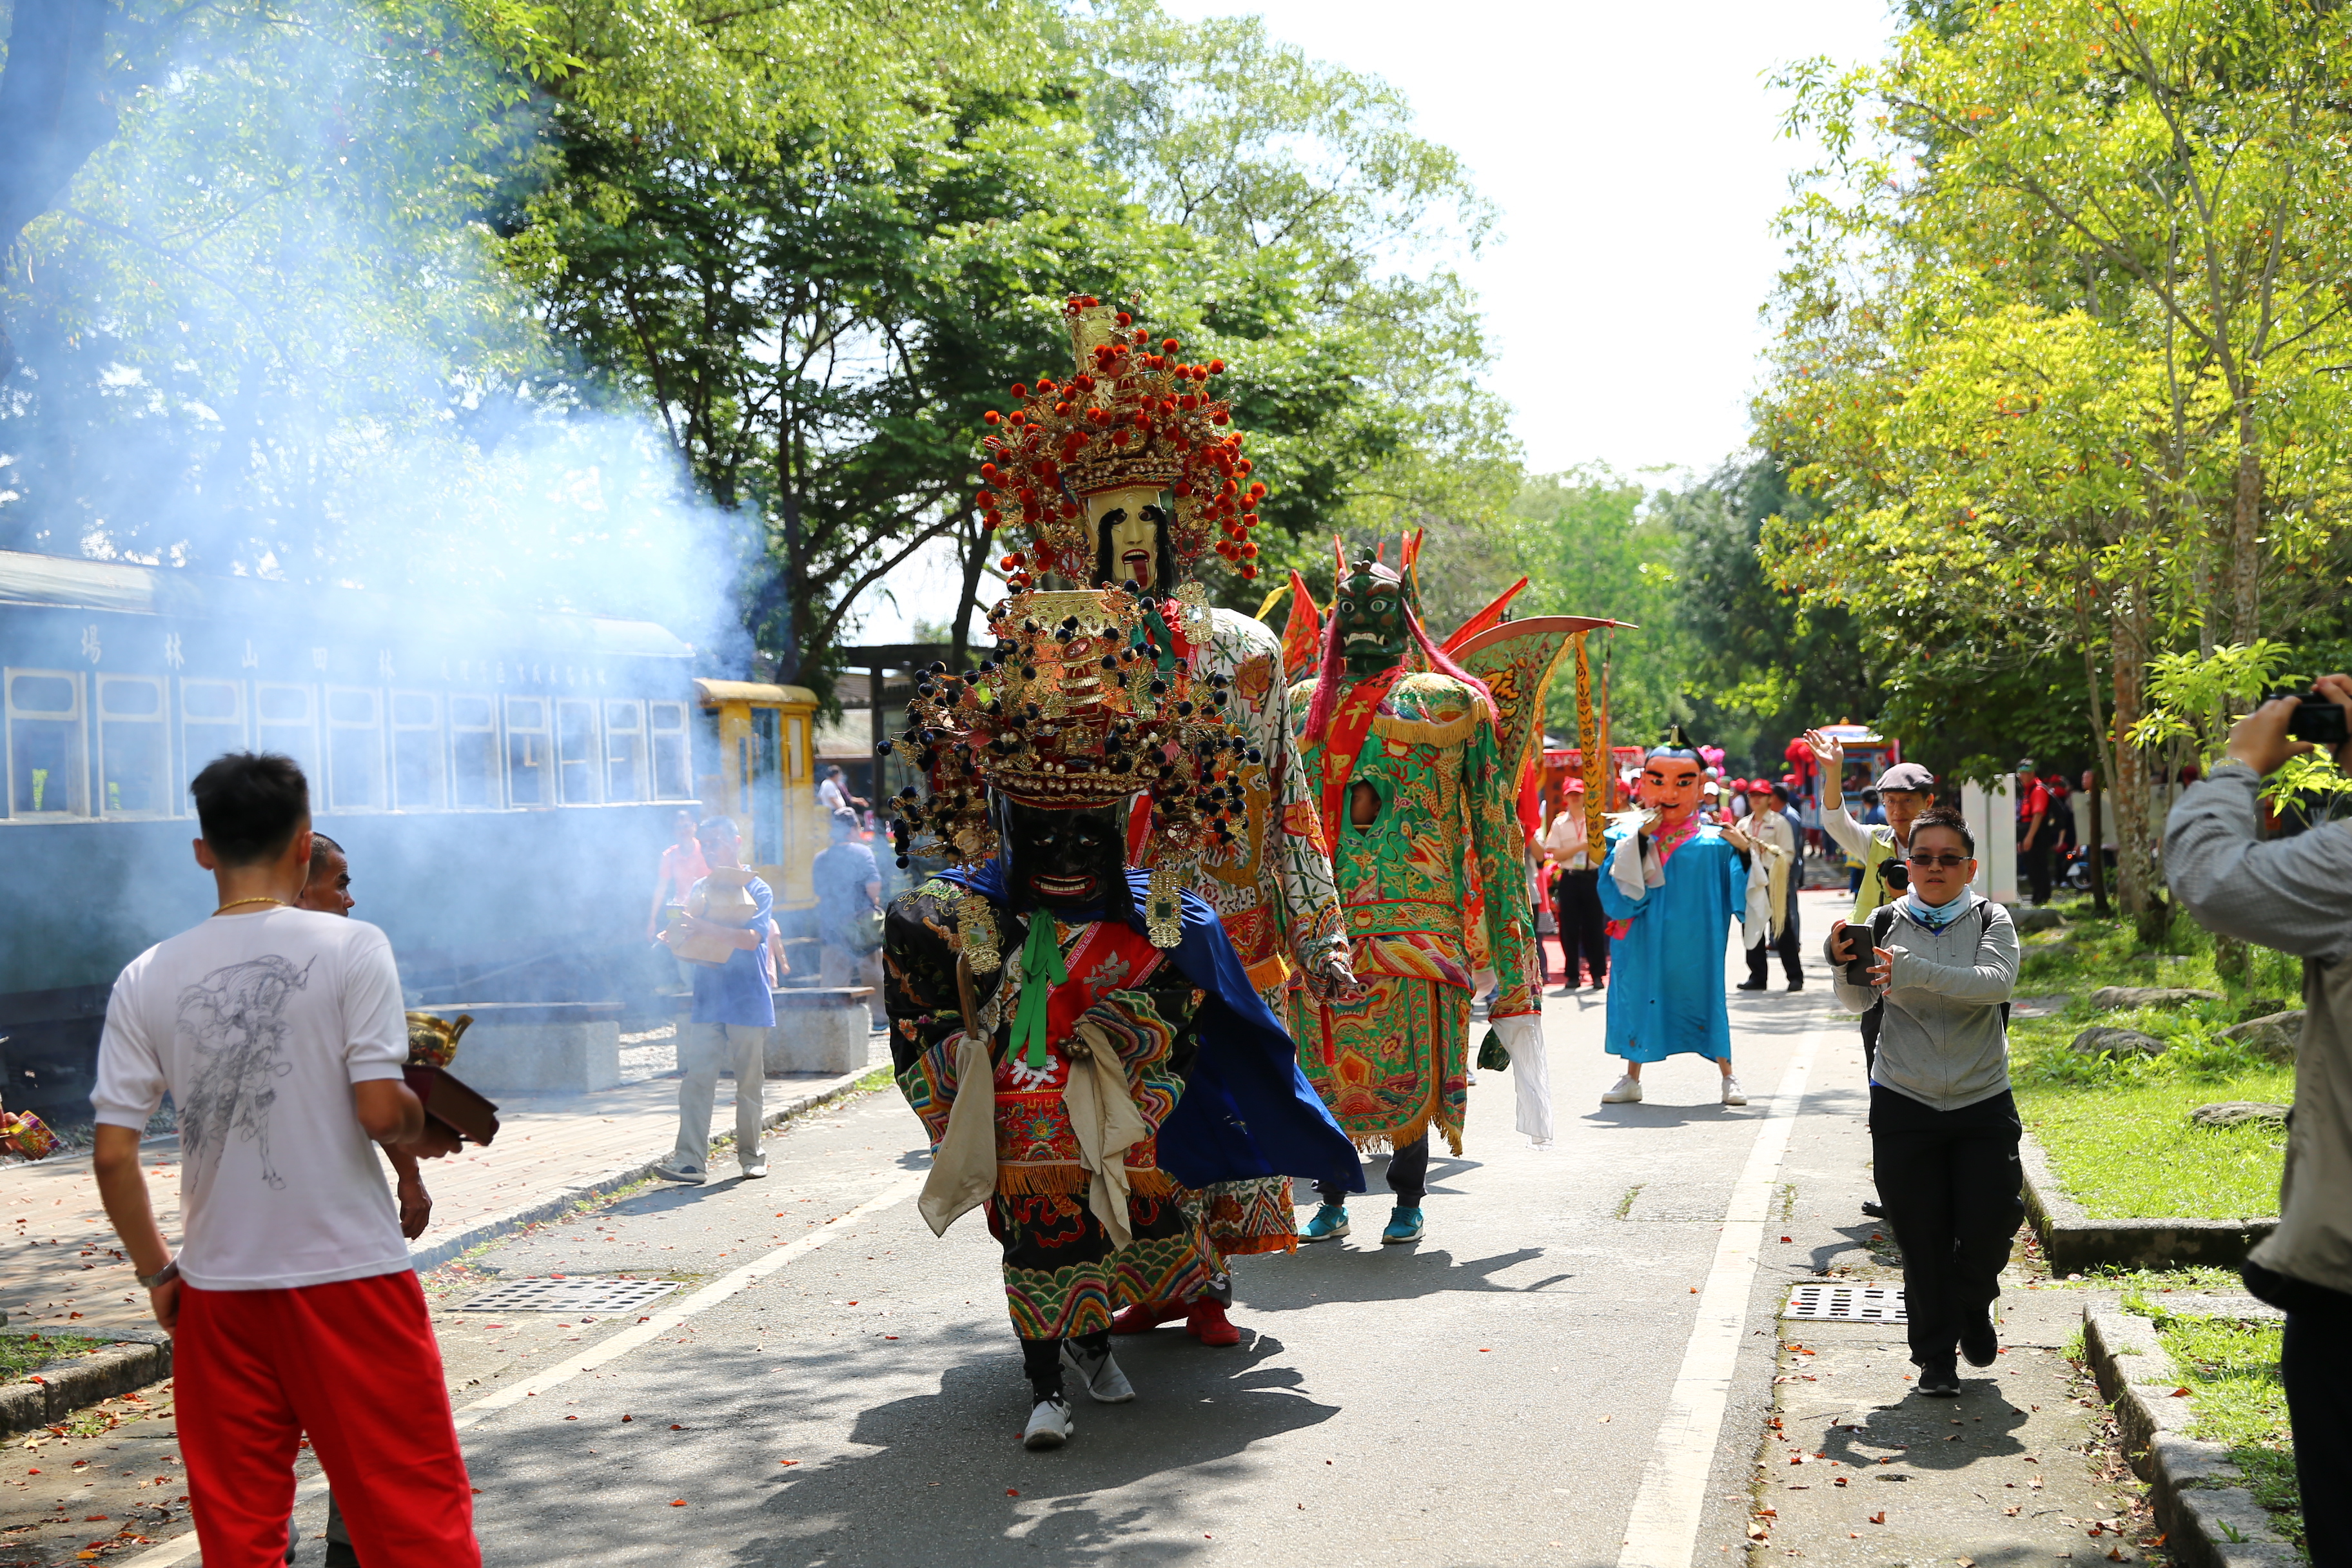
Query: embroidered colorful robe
(1394, 1063)
(1209, 1068)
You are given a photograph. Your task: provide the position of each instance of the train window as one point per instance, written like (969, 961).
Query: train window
(134, 746)
(575, 741)
(354, 748)
(45, 774)
(472, 754)
(211, 721)
(670, 767)
(287, 724)
(624, 750)
(527, 758)
(416, 751)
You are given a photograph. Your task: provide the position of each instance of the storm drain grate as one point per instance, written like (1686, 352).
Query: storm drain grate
(559, 1294)
(1847, 1303)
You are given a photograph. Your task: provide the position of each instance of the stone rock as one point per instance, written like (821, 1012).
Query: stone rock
(2040, 1007)
(2260, 1007)
(2238, 1113)
(2092, 1041)
(2031, 917)
(2149, 995)
(2274, 1036)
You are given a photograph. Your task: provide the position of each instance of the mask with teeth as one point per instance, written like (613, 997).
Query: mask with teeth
(1064, 859)
(1369, 616)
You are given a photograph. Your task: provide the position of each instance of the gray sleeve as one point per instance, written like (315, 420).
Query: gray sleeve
(1985, 982)
(2293, 894)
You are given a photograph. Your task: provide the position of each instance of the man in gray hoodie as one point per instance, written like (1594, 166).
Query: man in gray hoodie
(2293, 894)
(1943, 1124)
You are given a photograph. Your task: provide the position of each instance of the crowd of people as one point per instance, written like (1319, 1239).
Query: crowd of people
(1192, 925)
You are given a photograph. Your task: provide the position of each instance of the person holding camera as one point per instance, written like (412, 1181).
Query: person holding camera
(1941, 963)
(2295, 894)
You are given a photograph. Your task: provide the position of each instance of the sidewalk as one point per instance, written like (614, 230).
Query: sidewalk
(59, 1265)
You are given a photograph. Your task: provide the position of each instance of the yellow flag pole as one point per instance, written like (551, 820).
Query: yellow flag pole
(1596, 756)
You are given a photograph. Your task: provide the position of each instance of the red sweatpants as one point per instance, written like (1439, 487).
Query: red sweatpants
(355, 1365)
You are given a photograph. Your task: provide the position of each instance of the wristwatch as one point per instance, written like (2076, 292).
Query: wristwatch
(163, 1276)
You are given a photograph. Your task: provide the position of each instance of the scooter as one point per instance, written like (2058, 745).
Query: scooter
(2077, 875)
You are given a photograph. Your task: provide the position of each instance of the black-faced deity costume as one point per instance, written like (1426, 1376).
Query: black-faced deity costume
(1078, 1034)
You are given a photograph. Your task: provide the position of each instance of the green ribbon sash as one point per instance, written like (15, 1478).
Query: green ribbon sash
(1041, 970)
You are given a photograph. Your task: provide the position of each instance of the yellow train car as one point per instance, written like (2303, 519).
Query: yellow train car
(761, 737)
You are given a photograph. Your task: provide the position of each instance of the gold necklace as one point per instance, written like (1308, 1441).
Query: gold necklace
(258, 898)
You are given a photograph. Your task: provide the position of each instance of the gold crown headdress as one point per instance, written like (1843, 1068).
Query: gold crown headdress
(1078, 706)
(1130, 414)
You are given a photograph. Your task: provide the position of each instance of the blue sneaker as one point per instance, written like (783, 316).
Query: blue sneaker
(1330, 1221)
(1404, 1224)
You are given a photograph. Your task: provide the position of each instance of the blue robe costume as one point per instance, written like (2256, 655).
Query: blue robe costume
(1666, 974)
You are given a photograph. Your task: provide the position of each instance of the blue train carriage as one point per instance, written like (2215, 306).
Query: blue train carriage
(504, 780)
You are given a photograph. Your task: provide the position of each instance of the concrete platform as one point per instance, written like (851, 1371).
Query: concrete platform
(537, 1048)
(823, 1029)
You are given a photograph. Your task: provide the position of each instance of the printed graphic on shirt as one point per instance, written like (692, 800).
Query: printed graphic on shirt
(235, 1019)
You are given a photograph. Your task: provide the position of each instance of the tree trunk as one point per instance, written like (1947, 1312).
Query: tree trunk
(2135, 829)
(975, 541)
(2246, 532)
(793, 536)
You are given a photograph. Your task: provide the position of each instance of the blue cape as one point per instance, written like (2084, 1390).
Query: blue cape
(1247, 1110)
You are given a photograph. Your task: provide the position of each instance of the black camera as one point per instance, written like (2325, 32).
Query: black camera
(2319, 721)
(1896, 874)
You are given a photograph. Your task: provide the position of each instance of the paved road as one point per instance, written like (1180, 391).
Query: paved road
(1577, 1365)
(1491, 1396)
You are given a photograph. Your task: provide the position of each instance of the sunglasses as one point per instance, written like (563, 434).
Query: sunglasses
(1938, 862)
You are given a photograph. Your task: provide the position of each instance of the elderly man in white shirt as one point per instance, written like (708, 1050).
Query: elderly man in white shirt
(1768, 824)
(1576, 894)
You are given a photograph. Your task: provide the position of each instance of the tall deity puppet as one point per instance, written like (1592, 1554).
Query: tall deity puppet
(1415, 762)
(1128, 473)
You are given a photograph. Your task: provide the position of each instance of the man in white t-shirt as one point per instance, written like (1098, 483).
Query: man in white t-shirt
(278, 1032)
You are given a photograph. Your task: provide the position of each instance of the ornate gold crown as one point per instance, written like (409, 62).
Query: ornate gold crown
(1130, 414)
(1082, 704)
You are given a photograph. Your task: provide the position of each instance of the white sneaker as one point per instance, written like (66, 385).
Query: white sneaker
(1732, 1093)
(1106, 1384)
(1050, 1425)
(1627, 1092)
(756, 1168)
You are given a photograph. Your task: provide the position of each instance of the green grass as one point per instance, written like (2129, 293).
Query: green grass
(20, 1354)
(2231, 1368)
(2118, 1130)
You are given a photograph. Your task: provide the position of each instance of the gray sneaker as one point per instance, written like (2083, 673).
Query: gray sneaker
(692, 1176)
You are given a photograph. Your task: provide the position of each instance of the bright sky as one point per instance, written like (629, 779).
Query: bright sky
(1635, 155)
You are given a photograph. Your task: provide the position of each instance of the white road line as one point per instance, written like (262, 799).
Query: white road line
(606, 1349)
(702, 1301)
(1663, 1529)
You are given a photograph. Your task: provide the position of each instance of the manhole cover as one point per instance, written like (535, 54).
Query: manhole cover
(1846, 1303)
(575, 1294)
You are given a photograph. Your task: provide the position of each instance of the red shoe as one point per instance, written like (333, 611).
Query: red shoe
(1142, 1318)
(1207, 1323)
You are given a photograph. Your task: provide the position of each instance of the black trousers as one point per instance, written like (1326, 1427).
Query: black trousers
(2035, 864)
(1870, 1023)
(1950, 1181)
(1576, 901)
(2315, 1363)
(1408, 1176)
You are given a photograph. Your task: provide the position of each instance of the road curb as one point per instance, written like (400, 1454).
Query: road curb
(2071, 1241)
(427, 1259)
(51, 1393)
(2189, 1479)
